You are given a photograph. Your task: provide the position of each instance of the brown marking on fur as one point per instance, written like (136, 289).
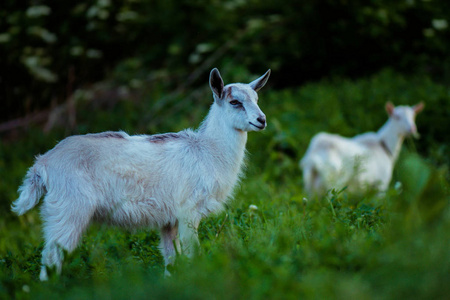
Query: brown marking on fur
(162, 138)
(107, 134)
(228, 92)
(386, 148)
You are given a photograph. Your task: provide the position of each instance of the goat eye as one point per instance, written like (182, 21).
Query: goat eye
(235, 103)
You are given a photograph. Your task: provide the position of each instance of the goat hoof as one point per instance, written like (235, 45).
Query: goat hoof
(43, 276)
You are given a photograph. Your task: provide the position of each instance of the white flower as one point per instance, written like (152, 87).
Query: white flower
(253, 207)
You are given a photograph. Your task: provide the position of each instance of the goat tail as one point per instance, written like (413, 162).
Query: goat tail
(31, 190)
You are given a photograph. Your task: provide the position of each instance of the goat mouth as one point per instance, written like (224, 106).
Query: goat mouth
(259, 127)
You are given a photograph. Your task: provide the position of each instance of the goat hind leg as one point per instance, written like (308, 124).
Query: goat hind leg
(62, 230)
(52, 255)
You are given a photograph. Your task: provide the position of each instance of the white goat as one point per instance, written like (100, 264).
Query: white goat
(364, 161)
(166, 181)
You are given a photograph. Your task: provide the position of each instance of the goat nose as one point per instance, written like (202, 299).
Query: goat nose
(262, 120)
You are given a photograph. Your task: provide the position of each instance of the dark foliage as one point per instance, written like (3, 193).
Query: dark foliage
(51, 48)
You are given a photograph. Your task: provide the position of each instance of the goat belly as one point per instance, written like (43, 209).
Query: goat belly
(147, 212)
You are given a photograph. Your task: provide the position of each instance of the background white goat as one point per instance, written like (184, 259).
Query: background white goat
(166, 181)
(364, 161)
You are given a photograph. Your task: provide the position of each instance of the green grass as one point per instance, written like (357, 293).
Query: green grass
(340, 247)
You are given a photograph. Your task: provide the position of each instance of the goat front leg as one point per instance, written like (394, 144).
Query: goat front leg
(170, 245)
(189, 236)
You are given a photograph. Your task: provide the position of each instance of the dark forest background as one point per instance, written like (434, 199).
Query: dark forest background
(49, 49)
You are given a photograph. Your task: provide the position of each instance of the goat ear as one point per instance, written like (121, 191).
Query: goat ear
(260, 82)
(418, 107)
(389, 108)
(216, 83)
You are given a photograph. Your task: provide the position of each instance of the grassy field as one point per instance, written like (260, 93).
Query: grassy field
(340, 247)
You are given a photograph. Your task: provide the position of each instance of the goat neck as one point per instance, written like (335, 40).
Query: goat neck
(217, 129)
(392, 137)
